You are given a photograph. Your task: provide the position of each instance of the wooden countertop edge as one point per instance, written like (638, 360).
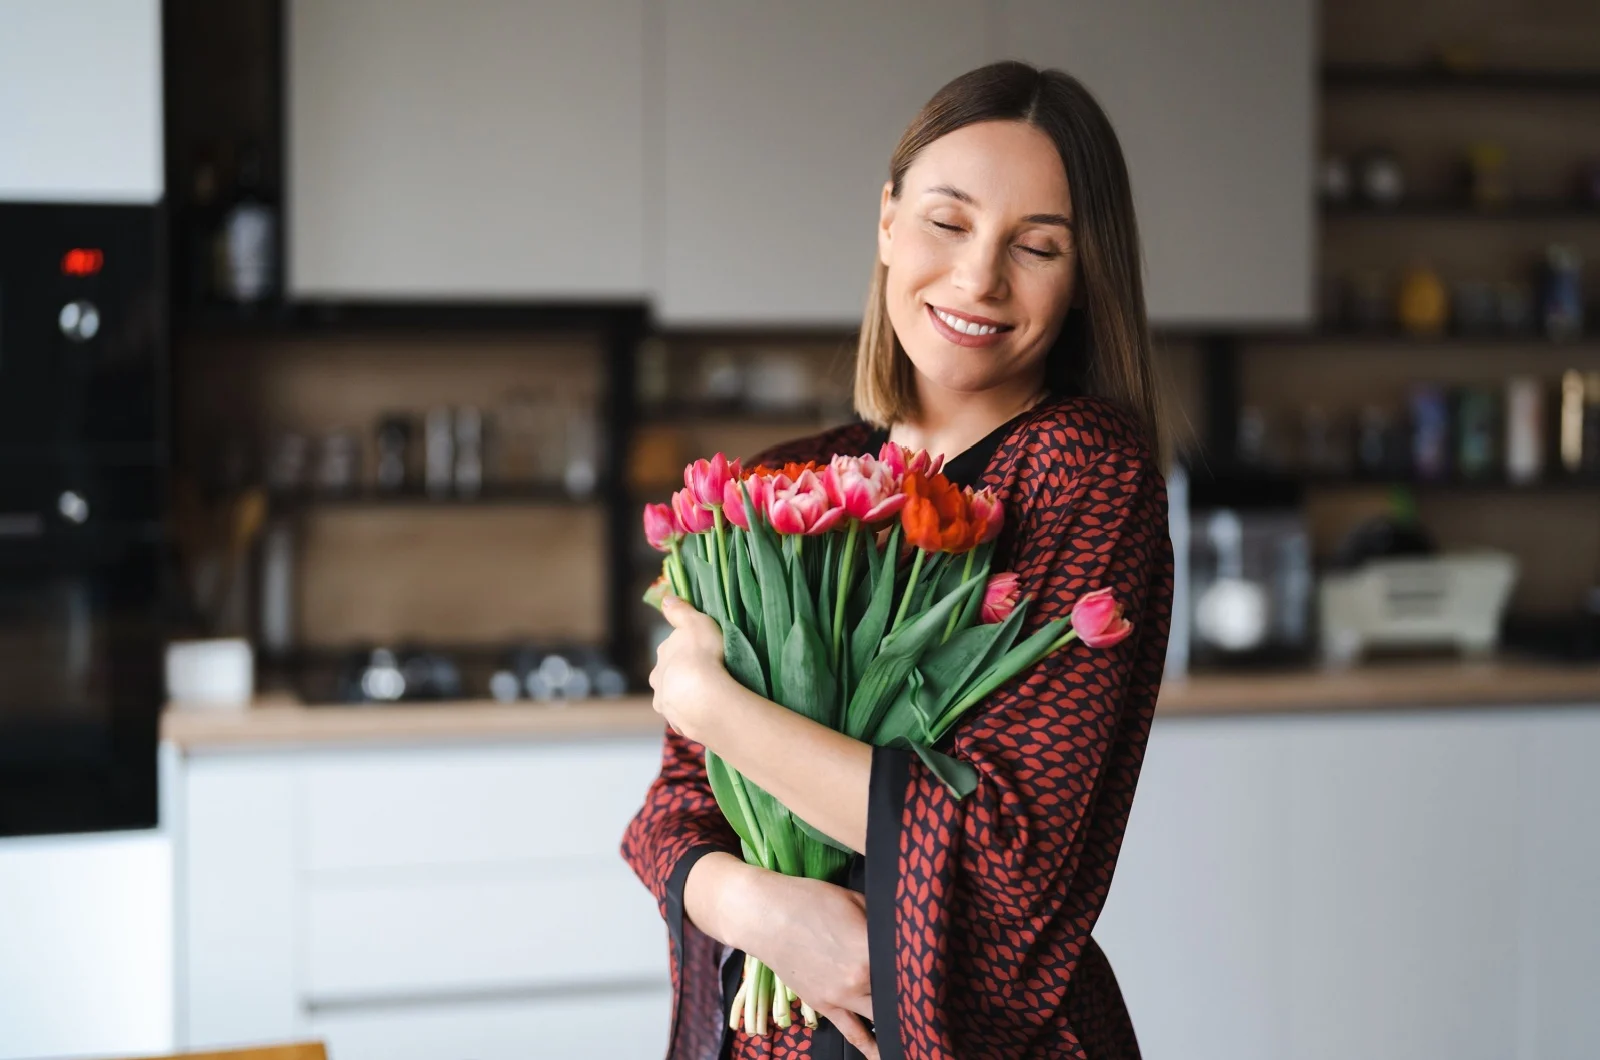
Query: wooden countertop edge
(282, 721)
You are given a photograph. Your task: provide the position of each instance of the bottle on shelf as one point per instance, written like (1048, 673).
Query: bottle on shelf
(248, 237)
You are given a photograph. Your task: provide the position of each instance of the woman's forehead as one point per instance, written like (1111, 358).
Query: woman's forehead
(1001, 166)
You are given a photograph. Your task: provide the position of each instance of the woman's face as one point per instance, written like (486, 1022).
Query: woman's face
(982, 267)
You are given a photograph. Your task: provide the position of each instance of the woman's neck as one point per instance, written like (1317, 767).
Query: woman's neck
(952, 422)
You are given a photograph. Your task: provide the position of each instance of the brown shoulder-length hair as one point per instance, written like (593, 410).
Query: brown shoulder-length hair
(1104, 345)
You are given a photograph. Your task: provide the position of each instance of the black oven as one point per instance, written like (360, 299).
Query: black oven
(83, 476)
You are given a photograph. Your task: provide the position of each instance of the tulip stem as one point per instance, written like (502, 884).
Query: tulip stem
(677, 575)
(966, 576)
(722, 564)
(911, 586)
(844, 582)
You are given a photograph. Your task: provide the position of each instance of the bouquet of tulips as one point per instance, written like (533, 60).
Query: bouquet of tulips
(858, 594)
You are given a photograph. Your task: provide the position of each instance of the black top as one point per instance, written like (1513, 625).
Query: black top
(967, 466)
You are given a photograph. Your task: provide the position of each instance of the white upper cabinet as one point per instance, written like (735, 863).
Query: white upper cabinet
(777, 125)
(80, 101)
(457, 151)
(1213, 103)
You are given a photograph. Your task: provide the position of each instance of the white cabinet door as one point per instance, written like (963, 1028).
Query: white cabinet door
(1213, 104)
(1560, 869)
(777, 122)
(1194, 919)
(614, 1026)
(1402, 938)
(239, 901)
(466, 151)
(80, 101)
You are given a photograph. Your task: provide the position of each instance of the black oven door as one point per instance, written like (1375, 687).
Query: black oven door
(81, 331)
(80, 665)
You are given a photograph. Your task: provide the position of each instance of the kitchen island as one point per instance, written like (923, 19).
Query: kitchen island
(1391, 861)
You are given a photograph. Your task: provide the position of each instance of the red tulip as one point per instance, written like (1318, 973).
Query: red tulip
(693, 518)
(999, 598)
(802, 506)
(661, 527)
(865, 488)
(1097, 619)
(903, 462)
(706, 479)
(759, 487)
(988, 511)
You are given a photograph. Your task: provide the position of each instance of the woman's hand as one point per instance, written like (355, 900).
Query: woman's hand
(689, 670)
(814, 936)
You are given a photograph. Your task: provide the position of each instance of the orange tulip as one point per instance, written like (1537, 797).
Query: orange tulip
(938, 516)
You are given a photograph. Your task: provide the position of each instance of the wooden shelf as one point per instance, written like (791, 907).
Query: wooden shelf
(1333, 337)
(367, 496)
(732, 412)
(1455, 209)
(288, 318)
(1435, 78)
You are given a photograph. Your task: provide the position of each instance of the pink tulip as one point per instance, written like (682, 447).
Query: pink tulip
(661, 527)
(759, 487)
(903, 461)
(999, 598)
(865, 488)
(693, 518)
(987, 509)
(802, 506)
(706, 479)
(1097, 618)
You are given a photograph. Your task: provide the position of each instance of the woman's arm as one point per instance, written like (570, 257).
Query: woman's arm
(820, 774)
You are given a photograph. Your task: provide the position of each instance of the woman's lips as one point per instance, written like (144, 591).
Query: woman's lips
(961, 338)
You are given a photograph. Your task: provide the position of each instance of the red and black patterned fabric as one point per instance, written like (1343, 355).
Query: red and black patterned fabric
(980, 910)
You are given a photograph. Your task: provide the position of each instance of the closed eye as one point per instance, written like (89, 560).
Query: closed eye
(947, 228)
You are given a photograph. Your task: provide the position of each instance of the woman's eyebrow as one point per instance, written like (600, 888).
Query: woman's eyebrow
(953, 192)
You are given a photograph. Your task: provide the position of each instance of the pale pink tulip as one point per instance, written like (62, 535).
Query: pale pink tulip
(706, 479)
(657, 591)
(760, 489)
(903, 461)
(693, 518)
(865, 488)
(999, 598)
(661, 527)
(1097, 618)
(987, 509)
(802, 506)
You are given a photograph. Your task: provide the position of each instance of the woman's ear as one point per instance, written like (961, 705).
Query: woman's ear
(886, 210)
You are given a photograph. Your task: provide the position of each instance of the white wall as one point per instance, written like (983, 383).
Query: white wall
(86, 966)
(80, 101)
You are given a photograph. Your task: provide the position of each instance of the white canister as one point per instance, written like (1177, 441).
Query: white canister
(210, 674)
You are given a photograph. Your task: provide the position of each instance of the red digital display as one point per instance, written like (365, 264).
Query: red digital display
(82, 261)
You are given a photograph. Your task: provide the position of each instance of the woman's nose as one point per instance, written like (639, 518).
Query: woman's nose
(980, 270)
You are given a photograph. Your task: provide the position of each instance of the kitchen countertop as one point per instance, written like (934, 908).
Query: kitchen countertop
(283, 721)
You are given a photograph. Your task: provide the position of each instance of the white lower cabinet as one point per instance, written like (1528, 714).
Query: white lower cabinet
(445, 903)
(611, 1026)
(1384, 885)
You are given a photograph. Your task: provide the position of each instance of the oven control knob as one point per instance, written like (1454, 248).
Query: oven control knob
(79, 320)
(73, 508)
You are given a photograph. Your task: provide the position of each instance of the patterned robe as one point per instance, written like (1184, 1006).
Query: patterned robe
(979, 910)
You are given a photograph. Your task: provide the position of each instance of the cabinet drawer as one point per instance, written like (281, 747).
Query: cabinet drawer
(613, 1026)
(434, 807)
(492, 931)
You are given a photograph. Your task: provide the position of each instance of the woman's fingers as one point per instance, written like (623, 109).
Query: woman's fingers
(855, 1032)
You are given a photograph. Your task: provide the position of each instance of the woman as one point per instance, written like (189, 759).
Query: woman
(1005, 328)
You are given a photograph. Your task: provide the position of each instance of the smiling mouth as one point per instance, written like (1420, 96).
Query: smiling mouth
(968, 325)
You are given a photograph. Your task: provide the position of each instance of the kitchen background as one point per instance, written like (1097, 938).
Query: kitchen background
(448, 292)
